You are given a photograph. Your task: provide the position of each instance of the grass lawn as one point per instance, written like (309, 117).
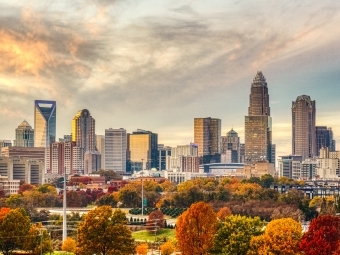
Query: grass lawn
(145, 235)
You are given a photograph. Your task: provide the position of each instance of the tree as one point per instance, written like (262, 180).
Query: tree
(38, 240)
(155, 221)
(69, 245)
(281, 237)
(235, 233)
(195, 229)
(13, 230)
(267, 180)
(26, 186)
(167, 248)
(103, 232)
(223, 213)
(109, 175)
(142, 249)
(107, 199)
(322, 237)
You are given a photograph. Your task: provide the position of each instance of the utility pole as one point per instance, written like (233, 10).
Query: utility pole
(64, 209)
(142, 189)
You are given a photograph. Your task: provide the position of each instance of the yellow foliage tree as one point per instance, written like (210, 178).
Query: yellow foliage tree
(281, 237)
(167, 248)
(142, 249)
(195, 229)
(69, 245)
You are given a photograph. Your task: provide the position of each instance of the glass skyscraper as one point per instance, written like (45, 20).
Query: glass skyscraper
(83, 130)
(258, 123)
(24, 135)
(303, 127)
(44, 122)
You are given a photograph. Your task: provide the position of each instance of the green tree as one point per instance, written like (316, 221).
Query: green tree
(13, 230)
(267, 180)
(103, 233)
(38, 240)
(109, 175)
(234, 235)
(107, 199)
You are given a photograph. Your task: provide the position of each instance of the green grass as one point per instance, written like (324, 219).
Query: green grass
(145, 235)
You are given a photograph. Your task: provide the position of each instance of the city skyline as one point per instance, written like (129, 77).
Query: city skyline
(157, 66)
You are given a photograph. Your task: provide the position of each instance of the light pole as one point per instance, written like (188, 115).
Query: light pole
(142, 189)
(64, 209)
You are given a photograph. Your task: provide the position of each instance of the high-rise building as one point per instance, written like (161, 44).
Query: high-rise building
(45, 113)
(83, 130)
(231, 142)
(142, 150)
(290, 166)
(242, 152)
(24, 135)
(101, 148)
(207, 135)
(164, 154)
(274, 154)
(115, 149)
(258, 123)
(324, 139)
(303, 127)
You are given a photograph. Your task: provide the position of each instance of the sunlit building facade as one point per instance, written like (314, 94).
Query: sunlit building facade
(142, 150)
(303, 127)
(24, 135)
(83, 130)
(45, 117)
(258, 123)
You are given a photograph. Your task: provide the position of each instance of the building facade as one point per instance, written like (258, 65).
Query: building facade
(83, 130)
(207, 136)
(180, 151)
(37, 153)
(258, 123)
(289, 166)
(24, 135)
(231, 142)
(45, 120)
(324, 138)
(101, 148)
(115, 149)
(5, 143)
(303, 127)
(142, 150)
(164, 155)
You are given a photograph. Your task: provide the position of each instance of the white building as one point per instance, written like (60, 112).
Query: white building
(10, 187)
(115, 149)
(181, 150)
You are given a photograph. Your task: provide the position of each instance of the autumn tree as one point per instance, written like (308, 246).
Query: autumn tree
(223, 213)
(281, 237)
(14, 227)
(107, 199)
(195, 229)
(37, 240)
(26, 186)
(69, 245)
(322, 237)
(155, 221)
(167, 248)
(142, 249)
(235, 233)
(103, 232)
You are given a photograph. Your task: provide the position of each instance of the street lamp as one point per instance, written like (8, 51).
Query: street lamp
(142, 189)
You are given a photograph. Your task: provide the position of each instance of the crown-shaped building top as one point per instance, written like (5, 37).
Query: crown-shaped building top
(259, 80)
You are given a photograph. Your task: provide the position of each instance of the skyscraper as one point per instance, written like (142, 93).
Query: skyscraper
(258, 123)
(207, 135)
(83, 130)
(324, 138)
(142, 150)
(44, 122)
(115, 149)
(303, 127)
(24, 135)
(231, 142)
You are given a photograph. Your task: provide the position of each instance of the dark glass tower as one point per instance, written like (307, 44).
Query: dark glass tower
(324, 138)
(258, 123)
(303, 127)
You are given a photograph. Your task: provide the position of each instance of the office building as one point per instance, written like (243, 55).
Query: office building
(303, 127)
(308, 170)
(164, 155)
(23, 169)
(44, 122)
(242, 152)
(179, 151)
(24, 135)
(324, 138)
(142, 150)
(207, 135)
(258, 123)
(66, 138)
(83, 130)
(289, 166)
(231, 143)
(5, 143)
(92, 162)
(10, 187)
(115, 149)
(100, 139)
(37, 153)
(274, 154)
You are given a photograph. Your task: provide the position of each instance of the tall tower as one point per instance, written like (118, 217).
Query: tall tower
(258, 123)
(24, 135)
(231, 142)
(115, 149)
(44, 122)
(207, 135)
(303, 127)
(83, 130)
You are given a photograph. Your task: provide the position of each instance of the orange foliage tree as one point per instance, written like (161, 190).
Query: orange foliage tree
(223, 213)
(281, 237)
(142, 249)
(167, 248)
(155, 221)
(195, 229)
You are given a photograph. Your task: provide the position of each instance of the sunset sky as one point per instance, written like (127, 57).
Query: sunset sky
(158, 64)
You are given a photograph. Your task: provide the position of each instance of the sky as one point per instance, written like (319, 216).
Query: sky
(157, 65)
